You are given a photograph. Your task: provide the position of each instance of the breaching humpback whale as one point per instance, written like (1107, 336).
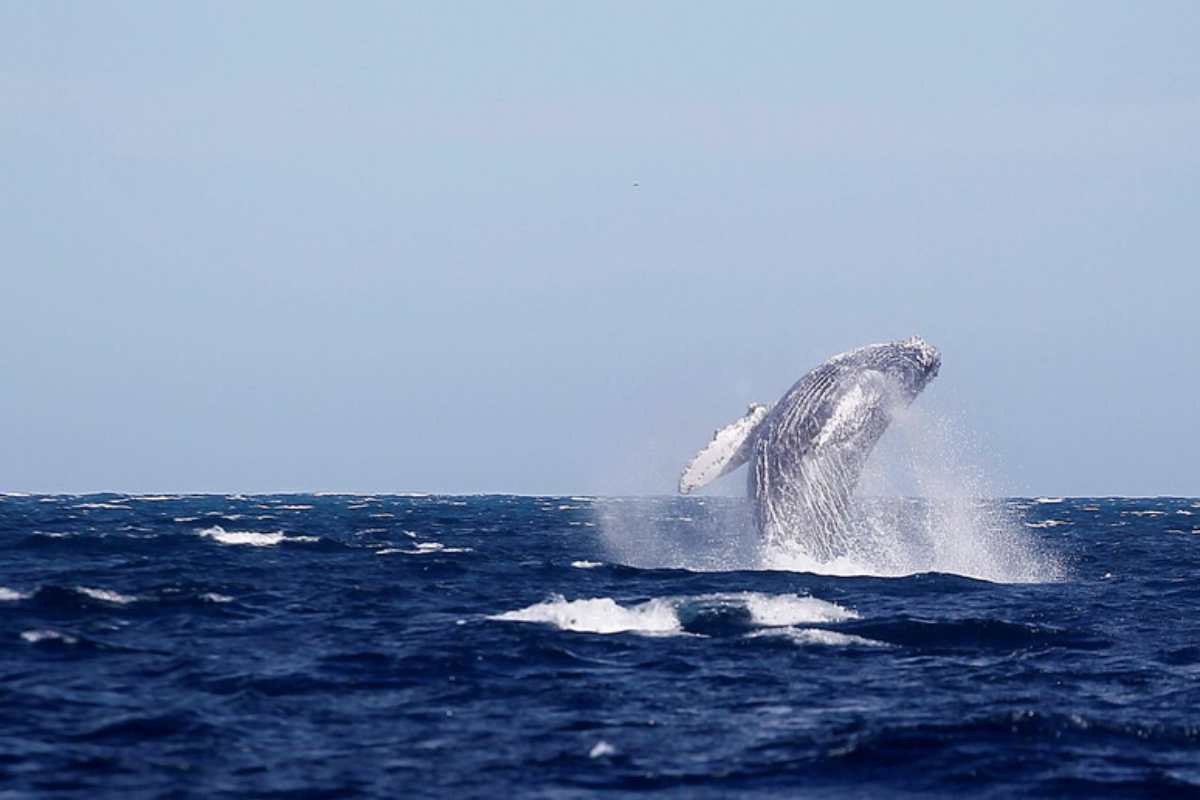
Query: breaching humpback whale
(806, 453)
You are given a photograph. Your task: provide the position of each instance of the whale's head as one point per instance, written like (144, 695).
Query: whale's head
(914, 362)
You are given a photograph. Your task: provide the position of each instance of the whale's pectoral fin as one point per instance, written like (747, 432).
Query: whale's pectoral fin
(728, 450)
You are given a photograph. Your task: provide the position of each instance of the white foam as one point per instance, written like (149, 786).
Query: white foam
(294, 508)
(790, 609)
(11, 594)
(213, 597)
(251, 538)
(105, 595)
(33, 637)
(587, 564)
(15, 494)
(660, 615)
(786, 560)
(424, 548)
(601, 749)
(111, 506)
(819, 636)
(155, 498)
(1047, 523)
(600, 615)
(1045, 500)
(185, 519)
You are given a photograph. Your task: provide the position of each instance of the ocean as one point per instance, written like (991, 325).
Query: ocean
(291, 646)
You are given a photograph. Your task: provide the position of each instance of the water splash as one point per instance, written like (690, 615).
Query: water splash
(924, 504)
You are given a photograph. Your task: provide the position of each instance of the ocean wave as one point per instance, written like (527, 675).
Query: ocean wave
(106, 595)
(252, 538)
(600, 615)
(10, 595)
(820, 636)
(708, 614)
(423, 548)
(46, 635)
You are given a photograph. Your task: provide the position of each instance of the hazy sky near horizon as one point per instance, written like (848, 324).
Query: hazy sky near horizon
(548, 247)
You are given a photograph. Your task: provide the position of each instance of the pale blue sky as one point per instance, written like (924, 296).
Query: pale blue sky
(398, 247)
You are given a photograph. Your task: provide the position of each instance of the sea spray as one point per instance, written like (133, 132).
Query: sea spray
(924, 504)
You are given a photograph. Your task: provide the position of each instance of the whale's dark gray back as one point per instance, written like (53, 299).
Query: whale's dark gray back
(809, 451)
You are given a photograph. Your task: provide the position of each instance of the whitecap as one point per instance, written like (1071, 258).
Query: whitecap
(819, 636)
(106, 595)
(252, 538)
(294, 508)
(1047, 523)
(600, 615)
(789, 609)
(1045, 500)
(11, 594)
(213, 597)
(45, 635)
(425, 548)
(601, 749)
(660, 615)
(587, 564)
(110, 506)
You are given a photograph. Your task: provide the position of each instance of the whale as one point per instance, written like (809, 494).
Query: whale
(807, 451)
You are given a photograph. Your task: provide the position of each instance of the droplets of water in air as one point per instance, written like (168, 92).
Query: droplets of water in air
(924, 504)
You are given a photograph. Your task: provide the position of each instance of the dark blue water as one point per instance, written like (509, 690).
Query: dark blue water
(341, 646)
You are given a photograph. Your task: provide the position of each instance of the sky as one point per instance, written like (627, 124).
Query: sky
(549, 247)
